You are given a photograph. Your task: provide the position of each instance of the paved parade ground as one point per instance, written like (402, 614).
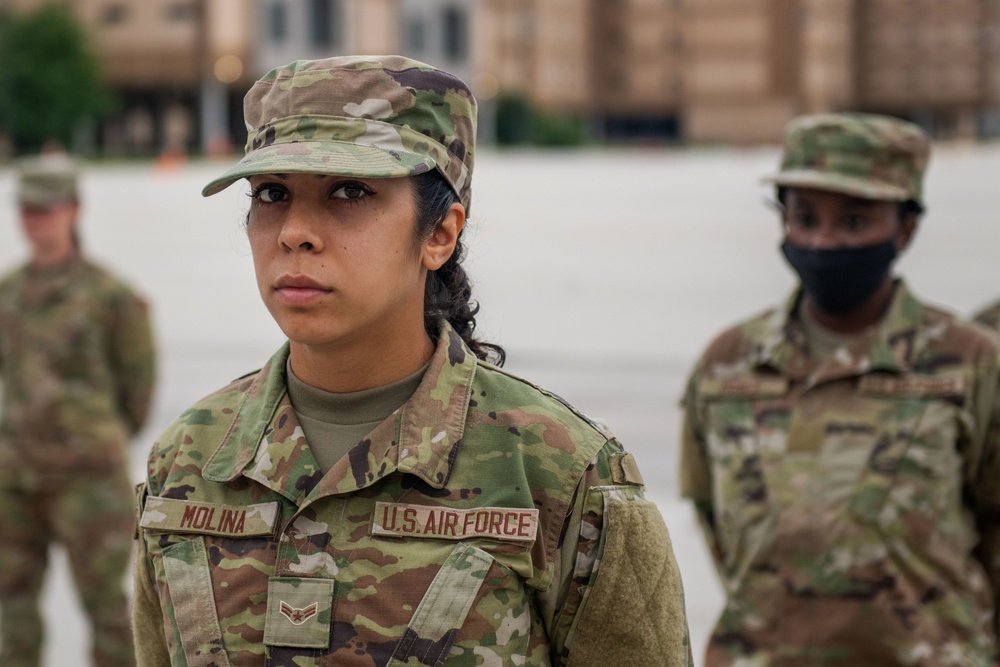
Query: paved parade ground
(603, 273)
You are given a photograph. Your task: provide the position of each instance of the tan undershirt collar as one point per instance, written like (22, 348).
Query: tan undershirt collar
(334, 423)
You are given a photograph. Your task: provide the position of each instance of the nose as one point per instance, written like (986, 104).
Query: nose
(825, 236)
(300, 230)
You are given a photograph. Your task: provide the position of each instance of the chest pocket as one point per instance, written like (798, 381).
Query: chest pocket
(746, 423)
(412, 583)
(210, 611)
(444, 607)
(914, 466)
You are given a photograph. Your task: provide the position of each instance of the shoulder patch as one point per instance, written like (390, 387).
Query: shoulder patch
(509, 524)
(914, 386)
(168, 515)
(624, 469)
(743, 387)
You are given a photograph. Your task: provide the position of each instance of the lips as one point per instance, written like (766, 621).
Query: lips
(300, 289)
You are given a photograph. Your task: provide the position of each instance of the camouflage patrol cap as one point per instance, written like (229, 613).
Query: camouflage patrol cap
(365, 116)
(47, 180)
(863, 155)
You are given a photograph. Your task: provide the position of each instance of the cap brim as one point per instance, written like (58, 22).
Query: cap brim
(848, 185)
(323, 157)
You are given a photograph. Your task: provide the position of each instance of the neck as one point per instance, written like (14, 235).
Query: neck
(52, 256)
(868, 313)
(364, 365)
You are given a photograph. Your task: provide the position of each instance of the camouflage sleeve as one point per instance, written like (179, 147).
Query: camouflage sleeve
(985, 480)
(147, 619)
(619, 594)
(695, 472)
(133, 358)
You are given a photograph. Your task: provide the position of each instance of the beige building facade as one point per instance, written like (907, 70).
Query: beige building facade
(753, 64)
(732, 71)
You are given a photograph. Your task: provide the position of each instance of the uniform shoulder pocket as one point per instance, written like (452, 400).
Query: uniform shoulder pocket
(633, 561)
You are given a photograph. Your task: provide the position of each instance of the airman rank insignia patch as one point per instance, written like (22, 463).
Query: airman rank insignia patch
(298, 612)
(295, 615)
(447, 523)
(185, 516)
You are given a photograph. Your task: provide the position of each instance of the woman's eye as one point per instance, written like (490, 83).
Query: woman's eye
(802, 219)
(352, 191)
(855, 222)
(270, 194)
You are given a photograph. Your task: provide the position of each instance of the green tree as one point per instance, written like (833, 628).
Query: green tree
(49, 77)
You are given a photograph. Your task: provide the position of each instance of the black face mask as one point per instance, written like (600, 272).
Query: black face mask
(840, 280)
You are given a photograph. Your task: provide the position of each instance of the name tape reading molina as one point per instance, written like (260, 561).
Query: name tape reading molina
(446, 523)
(184, 516)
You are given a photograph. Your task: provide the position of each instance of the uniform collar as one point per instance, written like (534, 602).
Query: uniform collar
(892, 345)
(265, 443)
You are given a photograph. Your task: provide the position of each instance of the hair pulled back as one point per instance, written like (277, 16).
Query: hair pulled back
(448, 293)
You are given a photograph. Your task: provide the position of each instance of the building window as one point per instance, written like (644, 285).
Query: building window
(180, 11)
(114, 14)
(455, 34)
(276, 22)
(324, 23)
(416, 35)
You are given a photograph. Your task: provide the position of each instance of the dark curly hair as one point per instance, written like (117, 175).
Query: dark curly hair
(448, 293)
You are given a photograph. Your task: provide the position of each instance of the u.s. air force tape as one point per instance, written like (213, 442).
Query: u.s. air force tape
(446, 523)
(186, 516)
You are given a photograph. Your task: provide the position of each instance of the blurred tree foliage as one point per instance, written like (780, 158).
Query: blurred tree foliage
(519, 123)
(49, 78)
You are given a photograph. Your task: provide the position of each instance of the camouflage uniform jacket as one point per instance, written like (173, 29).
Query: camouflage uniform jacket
(77, 366)
(441, 538)
(853, 504)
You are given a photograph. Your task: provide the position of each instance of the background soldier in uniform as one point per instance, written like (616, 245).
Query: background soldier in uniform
(378, 493)
(842, 449)
(77, 365)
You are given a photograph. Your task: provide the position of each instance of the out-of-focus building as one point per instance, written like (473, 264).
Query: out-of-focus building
(179, 68)
(691, 70)
(616, 62)
(753, 64)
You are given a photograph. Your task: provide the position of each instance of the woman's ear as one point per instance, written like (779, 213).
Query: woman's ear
(908, 228)
(441, 244)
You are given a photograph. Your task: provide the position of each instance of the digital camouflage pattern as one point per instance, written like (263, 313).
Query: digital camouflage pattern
(306, 118)
(852, 504)
(467, 528)
(77, 366)
(863, 155)
(46, 180)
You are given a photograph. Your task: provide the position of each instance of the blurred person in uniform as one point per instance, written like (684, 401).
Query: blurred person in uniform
(77, 370)
(379, 493)
(842, 449)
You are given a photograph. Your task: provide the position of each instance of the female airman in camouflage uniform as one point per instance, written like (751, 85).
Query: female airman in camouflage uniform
(77, 366)
(378, 493)
(842, 450)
